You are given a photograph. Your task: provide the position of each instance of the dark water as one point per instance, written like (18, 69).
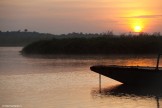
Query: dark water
(66, 82)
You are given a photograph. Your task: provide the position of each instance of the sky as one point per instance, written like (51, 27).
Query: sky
(87, 16)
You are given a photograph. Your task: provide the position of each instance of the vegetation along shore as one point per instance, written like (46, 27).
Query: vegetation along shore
(107, 43)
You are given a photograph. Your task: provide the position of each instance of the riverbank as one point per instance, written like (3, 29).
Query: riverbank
(97, 45)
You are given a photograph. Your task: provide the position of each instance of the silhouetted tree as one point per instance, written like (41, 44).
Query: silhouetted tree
(25, 30)
(123, 34)
(130, 34)
(143, 34)
(108, 33)
(156, 34)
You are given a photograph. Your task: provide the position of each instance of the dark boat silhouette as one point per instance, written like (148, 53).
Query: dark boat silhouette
(132, 75)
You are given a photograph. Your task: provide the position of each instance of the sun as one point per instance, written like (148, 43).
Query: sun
(137, 28)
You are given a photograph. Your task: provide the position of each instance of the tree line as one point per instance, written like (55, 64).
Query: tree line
(105, 44)
(25, 37)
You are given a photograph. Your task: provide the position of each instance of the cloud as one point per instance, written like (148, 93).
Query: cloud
(144, 16)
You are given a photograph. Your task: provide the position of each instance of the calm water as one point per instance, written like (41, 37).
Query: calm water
(66, 82)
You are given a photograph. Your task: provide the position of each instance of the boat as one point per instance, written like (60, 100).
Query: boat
(131, 75)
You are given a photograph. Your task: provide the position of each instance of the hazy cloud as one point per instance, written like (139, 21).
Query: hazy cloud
(144, 16)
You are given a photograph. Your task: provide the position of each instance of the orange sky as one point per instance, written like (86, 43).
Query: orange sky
(64, 16)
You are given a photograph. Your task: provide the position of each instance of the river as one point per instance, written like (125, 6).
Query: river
(65, 81)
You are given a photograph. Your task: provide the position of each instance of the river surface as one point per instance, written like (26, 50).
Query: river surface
(65, 81)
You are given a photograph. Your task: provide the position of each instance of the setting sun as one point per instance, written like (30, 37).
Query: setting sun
(137, 28)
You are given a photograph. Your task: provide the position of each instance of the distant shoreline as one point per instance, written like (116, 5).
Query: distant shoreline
(97, 45)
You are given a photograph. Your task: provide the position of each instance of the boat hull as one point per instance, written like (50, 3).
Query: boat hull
(130, 75)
